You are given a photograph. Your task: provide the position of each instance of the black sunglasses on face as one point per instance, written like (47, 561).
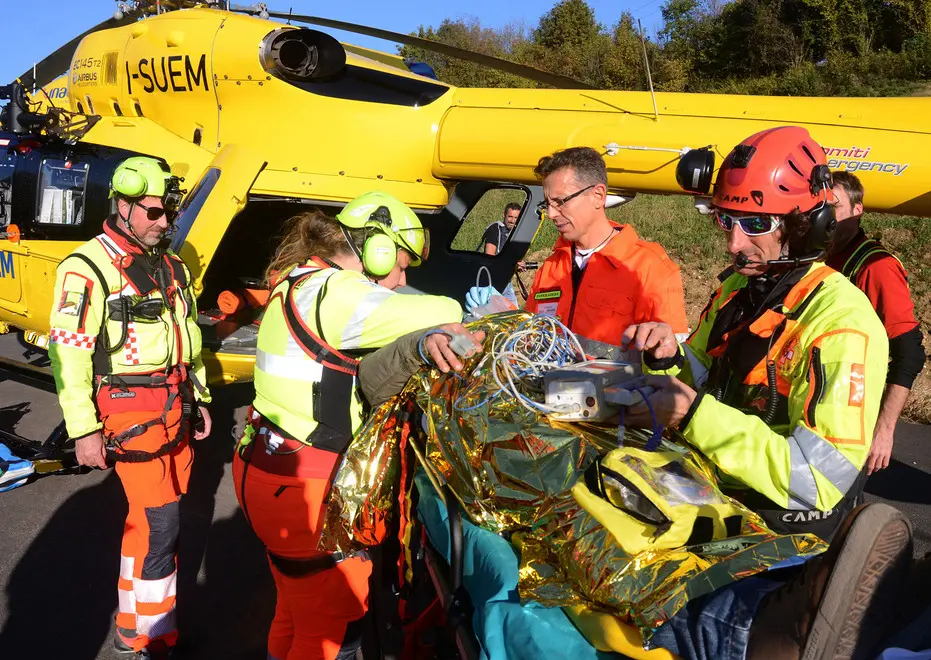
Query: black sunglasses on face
(154, 213)
(544, 206)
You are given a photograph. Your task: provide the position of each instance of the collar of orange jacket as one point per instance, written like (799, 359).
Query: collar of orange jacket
(616, 250)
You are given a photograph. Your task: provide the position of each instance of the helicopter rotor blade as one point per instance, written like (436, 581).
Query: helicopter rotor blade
(523, 70)
(58, 62)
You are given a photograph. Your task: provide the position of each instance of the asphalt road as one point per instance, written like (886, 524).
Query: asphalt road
(60, 538)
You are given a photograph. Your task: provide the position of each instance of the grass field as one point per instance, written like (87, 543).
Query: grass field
(698, 247)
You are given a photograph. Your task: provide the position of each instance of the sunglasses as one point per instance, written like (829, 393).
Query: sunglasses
(154, 213)
(545, 205)
(751, 225)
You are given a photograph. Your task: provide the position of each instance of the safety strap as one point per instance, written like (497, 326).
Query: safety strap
(867, 249)
(140, 456)
(296, 568)
(316, 347)
(101, 358)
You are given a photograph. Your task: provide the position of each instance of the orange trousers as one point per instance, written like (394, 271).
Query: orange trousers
(317, 616)
(148, 561)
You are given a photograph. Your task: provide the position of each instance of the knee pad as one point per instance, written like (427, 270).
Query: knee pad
(164, 525)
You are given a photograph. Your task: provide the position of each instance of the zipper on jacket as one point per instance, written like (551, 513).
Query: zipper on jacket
(817, 378)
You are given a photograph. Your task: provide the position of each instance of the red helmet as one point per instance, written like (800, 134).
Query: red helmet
(774, 171)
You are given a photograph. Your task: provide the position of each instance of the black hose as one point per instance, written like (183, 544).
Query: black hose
(772, 402)
(124, 307)
(455, 538)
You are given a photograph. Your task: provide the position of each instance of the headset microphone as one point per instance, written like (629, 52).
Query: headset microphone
(742, 261)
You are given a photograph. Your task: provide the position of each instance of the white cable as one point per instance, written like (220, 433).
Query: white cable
(539, 345)
(478, 276)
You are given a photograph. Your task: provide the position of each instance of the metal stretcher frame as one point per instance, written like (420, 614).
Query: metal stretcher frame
(54, 455)
(447, 578)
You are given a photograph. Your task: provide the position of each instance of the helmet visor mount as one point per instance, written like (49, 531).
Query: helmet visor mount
(402, 243)
(173, 196)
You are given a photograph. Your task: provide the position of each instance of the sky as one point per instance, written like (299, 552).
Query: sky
(28, 36)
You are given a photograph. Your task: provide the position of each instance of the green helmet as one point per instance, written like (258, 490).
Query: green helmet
(390, 216)
(138, 177)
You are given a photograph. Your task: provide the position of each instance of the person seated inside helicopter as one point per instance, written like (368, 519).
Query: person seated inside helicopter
(496, 236)
(779, 387)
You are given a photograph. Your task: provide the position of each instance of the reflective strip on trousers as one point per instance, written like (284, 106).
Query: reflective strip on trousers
(155, 591)
(808, 451)
(158, 625)
(127, 597)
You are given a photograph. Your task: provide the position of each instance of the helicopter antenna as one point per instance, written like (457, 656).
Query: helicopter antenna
(646, 63)
(33, 78)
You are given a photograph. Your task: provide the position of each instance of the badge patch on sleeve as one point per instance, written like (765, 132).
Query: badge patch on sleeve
(71, 303)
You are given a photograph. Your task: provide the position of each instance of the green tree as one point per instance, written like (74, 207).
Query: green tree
(469, 35)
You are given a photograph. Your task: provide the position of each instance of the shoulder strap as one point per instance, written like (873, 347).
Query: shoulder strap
(102, 350)
(317, 347)
(867, 249)
(97, 272)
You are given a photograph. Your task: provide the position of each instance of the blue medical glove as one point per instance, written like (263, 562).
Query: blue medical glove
(479, 296)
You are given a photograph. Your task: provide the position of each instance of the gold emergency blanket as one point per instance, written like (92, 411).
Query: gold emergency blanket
(513, 469)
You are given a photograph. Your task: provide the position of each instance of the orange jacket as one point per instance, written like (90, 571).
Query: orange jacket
(628, 281)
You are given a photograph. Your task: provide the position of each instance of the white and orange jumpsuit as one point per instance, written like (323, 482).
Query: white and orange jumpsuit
(130, 368)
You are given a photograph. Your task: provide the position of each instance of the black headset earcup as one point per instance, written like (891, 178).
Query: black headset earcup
(823, 222)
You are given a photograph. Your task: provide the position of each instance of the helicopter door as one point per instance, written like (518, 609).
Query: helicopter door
(220, 194)
(459, 235)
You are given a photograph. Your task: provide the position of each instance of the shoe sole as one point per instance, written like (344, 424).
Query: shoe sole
(854, 614)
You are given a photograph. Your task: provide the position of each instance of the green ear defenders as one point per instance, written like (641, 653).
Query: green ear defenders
(141, 176)
(138, 177)
(379, 251)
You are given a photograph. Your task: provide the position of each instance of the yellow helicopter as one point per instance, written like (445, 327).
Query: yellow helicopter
(261, 117)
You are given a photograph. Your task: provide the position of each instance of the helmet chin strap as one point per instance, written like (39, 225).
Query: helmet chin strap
(129, 225)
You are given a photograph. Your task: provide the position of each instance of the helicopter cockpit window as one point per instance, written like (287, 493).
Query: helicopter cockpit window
(489, 225)
(6, 190)
(62, 188)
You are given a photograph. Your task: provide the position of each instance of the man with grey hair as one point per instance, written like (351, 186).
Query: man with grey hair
(601, 277)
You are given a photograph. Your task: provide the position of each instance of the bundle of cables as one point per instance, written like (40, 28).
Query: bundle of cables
(519, 360)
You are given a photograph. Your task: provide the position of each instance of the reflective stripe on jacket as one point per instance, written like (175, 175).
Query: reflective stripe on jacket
(87, 319)
(628, 281)
(830, 360)
(305, 382)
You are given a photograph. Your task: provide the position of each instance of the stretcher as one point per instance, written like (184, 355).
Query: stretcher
(23, 460)
(475, 574)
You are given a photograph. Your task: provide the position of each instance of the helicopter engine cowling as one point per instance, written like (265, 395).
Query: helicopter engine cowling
(301, 54)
